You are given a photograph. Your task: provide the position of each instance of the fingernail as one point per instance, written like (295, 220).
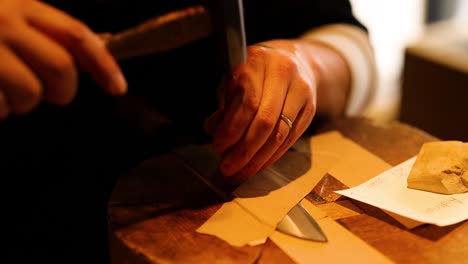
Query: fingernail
(119, 84)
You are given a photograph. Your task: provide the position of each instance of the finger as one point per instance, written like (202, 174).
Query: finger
(277, 80)
(295, 101)
(51, 63)
(4, 108)
(243, 102)
(301, 123)
(85, 46)
(236, 120)
(18, 83)
(226, 86)
(258, 160)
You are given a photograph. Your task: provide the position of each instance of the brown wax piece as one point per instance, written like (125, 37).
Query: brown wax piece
(441, 167)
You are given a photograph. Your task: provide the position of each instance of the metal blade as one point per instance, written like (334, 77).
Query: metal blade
(235, 32)
(228, 16)
(203, 162)
(299, 223)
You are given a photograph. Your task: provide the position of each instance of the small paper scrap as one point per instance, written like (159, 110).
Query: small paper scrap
(389, 191)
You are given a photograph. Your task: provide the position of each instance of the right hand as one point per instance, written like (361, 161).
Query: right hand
(248, 132)
(40, 49)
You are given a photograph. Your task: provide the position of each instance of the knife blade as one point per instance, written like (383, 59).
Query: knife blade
(228, 18)
(203, 162)
(299, 223)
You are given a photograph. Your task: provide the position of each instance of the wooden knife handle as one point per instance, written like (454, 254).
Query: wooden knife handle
(163, 33)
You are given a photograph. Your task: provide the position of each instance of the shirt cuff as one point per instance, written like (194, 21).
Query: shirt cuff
(353, 44)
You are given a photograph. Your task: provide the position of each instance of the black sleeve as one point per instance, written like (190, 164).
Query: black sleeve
(271, 19)
(264, 19)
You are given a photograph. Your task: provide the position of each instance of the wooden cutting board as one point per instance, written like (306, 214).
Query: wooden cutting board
(155, 210)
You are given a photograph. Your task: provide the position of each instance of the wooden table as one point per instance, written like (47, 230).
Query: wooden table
(156, 209)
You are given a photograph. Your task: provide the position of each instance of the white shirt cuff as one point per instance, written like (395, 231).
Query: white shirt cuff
(352, 43)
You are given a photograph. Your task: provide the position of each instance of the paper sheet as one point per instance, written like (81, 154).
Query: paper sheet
(389, 191)
(261, 213)
(342, 245)
(331, 153)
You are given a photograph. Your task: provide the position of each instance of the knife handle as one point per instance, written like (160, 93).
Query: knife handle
(160, 34)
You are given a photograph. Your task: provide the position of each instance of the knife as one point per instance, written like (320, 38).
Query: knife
(203, 162)
(229, 20)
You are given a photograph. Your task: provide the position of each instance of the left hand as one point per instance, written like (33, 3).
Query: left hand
(249, 133)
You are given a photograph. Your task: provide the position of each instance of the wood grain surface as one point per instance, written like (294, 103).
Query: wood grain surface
(155, 210)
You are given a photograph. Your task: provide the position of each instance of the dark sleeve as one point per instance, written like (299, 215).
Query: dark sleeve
(264, 19)
(272, 19)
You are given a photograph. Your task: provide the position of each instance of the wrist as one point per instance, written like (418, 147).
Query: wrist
(332, 77)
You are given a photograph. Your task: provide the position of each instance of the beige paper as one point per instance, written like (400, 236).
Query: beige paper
(359, 165)
(269, 209)
(342, 245)
(252, 219)
(245, 222)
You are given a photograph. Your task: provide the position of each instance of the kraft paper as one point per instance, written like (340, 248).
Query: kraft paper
(251, 219)
(342, 245)
(267, 209)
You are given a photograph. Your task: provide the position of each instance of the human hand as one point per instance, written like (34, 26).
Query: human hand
(40, 49)
(276, 81)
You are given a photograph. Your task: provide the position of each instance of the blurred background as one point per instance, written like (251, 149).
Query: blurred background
(396, 25)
